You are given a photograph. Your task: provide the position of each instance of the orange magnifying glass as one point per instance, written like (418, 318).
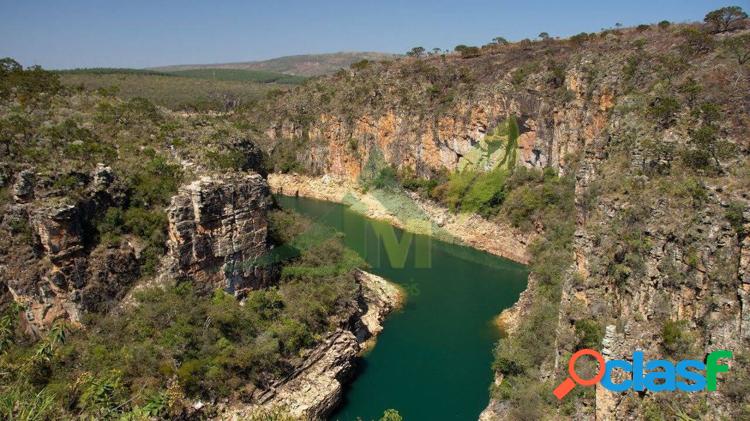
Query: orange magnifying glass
(568, 384)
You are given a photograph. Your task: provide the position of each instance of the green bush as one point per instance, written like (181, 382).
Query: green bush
(590, 334)
(155, 183)
(121, 364)
(734, 213)
(485, 195)
(676, 340)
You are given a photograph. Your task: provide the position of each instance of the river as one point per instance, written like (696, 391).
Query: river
(432, 361)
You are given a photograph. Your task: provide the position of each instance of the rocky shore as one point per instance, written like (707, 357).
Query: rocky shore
(471, 230)
(316, 387)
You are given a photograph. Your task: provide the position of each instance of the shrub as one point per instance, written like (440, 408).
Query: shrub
(119, 365)
(739, 47)
(486, 193)
(663, 109)
(664, 24)
(154, 183)
(590, 334)
(467, 51)
(676, 341)
(579, 39)
(734, 214)
(696, 42)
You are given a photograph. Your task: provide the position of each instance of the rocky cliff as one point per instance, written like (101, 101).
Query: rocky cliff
(315, 388)
(218, 233)
(651, 126)
(51, 265)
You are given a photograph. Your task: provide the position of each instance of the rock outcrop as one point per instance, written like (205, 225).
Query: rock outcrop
(50, 264)
(218, 233)
(315, 388)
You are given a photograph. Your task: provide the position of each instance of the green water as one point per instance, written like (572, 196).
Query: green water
(432, 360)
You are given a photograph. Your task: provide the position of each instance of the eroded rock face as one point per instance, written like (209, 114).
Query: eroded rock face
(49, 263)
(218, 232)
(23, 189)
(426, 144)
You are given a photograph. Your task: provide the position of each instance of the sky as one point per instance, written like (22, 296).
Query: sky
(134, 33)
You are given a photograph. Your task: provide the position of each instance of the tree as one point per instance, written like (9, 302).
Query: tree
(391, 415)
(415, 52)
(739, 47)
(500, 41)
(725, 19)
(436, 51)
(8, 65)
(664, 24)
(706, 142)
(467, 51)
(544, 36)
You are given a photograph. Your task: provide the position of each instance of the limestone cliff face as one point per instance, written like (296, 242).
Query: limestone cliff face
(653, 245)
(50, 264)
(693, 272)
(218, 232)
(429, 144)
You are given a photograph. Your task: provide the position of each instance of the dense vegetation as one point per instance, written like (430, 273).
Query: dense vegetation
(174, 345)
(674, 154)
(177, 93)
(260, 76)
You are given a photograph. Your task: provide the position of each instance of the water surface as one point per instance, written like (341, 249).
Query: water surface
(432, 360)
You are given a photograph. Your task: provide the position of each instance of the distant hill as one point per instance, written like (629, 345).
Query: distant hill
(301, 65)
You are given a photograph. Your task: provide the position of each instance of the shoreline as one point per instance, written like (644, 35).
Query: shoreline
(419, 217)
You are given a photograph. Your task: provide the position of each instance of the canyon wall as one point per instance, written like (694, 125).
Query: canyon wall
(660, 244)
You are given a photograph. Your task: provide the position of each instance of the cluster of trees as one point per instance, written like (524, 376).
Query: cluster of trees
(176, 345)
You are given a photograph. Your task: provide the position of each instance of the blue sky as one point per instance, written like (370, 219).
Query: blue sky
(136, 33)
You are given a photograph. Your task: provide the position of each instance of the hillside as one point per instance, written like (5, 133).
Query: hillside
(300, 65)
(148, 272)
(626, 151)
(146, 267)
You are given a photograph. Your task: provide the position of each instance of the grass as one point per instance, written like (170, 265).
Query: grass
(259, 76)
(178, 93)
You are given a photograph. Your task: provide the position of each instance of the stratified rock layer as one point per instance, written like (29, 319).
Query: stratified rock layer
(218, 232)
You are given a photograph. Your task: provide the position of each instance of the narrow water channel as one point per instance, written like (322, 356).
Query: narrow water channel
(432, 360)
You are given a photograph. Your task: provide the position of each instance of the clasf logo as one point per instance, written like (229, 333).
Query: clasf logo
(654, 375)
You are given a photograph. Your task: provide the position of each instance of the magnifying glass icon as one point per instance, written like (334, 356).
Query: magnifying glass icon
(568, 384)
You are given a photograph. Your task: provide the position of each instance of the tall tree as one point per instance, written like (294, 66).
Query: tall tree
(725, 19)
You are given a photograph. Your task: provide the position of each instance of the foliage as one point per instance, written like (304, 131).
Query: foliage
(467, 51)
(590, 334)
(486, 193)
(739, 47)
(734, 214)
(391, 415)
(211, 345)
(245, 75)
(725, 19)
(519, 357)
(676, 340)
(26, 84)
(416, 52)
(663, 109)
(177, 93)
